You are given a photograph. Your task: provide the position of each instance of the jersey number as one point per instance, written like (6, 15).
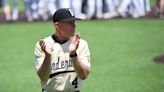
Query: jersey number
(75, 83)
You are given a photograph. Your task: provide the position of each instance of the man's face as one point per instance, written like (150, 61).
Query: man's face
(67, 28)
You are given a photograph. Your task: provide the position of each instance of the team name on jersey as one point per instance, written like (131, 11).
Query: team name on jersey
(61, 64)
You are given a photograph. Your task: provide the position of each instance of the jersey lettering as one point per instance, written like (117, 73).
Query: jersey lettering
(61, 64)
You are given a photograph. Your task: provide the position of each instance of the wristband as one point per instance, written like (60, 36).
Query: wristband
(74, 55)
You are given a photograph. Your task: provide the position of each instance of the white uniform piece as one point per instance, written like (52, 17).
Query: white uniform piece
(52, 6)
(63, 76)
(122, 9)
(99, 9)
(95, 7)
(147, 6)
(43, 9)
(65, 3)
(77, 7)
(134, 8)
(144, 7)
(15, 10)
(91, 8)
(111, 9)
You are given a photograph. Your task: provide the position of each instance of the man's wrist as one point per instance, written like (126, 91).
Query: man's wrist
(48, 55)
(73, 55)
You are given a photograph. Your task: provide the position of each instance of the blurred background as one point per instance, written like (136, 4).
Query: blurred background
(33, 10)
(124, 37)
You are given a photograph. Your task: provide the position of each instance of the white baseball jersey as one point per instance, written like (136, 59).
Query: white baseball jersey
(63, 76)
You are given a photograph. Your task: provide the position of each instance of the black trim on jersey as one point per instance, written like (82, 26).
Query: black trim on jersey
(54, 74)
(56, 40)
(43, 90)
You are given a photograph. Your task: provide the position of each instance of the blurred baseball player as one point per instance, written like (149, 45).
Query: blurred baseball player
(62, 59)
(15, 10)
(111, 9)
(6, 9)
(77, 7)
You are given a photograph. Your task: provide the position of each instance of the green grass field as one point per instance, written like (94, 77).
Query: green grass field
(121, 55)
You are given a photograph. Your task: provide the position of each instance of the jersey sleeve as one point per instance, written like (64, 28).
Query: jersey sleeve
(39, 56)
(84, 53)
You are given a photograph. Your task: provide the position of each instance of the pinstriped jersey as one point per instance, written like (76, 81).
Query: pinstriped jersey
(63, 76)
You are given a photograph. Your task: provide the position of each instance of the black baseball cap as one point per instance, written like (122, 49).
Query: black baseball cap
(64, 14)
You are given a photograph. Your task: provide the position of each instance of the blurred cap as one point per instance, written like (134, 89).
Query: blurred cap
(64, 14)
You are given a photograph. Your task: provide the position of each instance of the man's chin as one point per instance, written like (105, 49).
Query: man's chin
(73, 34)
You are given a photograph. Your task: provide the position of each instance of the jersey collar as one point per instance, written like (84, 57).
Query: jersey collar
(60, 42)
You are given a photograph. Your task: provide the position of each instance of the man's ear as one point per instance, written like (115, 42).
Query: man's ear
(56, 24)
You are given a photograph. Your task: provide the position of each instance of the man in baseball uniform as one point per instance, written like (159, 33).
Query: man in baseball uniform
(62, 60)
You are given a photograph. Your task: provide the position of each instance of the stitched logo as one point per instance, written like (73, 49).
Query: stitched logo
(71, 12)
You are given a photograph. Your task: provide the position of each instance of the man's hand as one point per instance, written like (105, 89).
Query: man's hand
(45, 68)
(44, 47)
(74, 44)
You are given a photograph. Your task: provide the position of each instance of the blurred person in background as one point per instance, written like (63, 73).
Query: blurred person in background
(31, 10)
(15, 12)
(6, 9)
(160, 8)
(134, 8)
(90, 8)
(34, 6)
(111, 9)
(43, 9)
(123, 8)
(144, 7)
(46, 8)
(94, 8)
(147, 6)
(77, 7)
(52, 6)
(65, 3)
(28, 10)
(99, 9)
